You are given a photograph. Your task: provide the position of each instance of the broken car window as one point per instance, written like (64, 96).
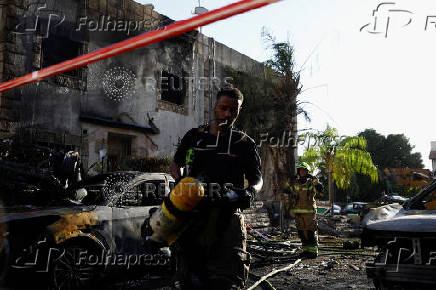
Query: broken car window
(153, 192)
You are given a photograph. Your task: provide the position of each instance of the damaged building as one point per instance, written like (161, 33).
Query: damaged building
(133, 105)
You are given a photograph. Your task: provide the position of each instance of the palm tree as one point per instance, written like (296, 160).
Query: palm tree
(286, 78)
(341, 156)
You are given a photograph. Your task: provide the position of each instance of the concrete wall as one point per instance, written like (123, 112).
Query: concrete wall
(8, 102)
(56, 104)
(2, 35)
(2, 49)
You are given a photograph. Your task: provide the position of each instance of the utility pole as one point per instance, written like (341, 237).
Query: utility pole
(199, 10)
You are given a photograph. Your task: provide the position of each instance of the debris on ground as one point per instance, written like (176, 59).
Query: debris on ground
(276, 264)
(351, 245)
(274, 272)
(338, 265)
(334, 268)
(340, 226)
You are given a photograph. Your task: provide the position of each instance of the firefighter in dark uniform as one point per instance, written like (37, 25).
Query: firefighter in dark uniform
(303, 206)
(211, 253)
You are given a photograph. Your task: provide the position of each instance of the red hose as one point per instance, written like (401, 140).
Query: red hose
(142, 40)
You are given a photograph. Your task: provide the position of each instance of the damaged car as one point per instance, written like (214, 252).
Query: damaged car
(72, 244)
(405, 236)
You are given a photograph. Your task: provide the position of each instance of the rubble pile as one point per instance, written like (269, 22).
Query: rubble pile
(258, 218)
(340, 226)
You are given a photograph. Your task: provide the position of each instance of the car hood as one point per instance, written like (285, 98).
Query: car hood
(393, 217)
(8, 214)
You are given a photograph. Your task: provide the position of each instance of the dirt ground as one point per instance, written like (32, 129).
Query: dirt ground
(335, 268)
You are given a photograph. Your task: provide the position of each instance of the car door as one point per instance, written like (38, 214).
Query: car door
(128, 215)
(131, 210)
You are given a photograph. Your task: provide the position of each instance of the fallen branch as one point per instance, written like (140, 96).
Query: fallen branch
(273, 273)
(265, 283)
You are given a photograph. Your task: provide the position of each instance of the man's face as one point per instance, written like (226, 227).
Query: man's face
(303, 172)
(227, 111)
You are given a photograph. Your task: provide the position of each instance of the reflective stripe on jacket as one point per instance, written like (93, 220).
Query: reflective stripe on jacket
(300, 210)
(303, 199)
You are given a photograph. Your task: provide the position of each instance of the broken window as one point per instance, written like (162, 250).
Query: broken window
(119, 150)
(425, 200)
(131, 197)
(153, 192)
(56, 49)
(173, 88)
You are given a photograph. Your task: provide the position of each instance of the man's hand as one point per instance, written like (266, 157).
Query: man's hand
(240, 198)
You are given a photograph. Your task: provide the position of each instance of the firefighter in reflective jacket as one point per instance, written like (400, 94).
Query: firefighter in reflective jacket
(303, 205)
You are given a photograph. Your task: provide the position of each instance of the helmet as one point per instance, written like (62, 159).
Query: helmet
(303, 165)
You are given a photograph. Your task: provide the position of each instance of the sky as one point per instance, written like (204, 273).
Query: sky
(359, 68)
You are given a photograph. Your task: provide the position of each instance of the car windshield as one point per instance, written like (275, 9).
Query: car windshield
(107, 189)
(426, 200)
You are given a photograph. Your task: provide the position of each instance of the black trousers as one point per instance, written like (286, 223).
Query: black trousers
(211, 254)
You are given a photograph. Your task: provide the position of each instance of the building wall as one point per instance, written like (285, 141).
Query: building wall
(2, 35)
(8, 114)
(57, 103)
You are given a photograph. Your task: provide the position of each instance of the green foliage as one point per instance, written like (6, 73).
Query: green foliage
(270, 103)
(392, 151)
(271, 99)
(281, 69)
(340, 157)
(256, 117)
